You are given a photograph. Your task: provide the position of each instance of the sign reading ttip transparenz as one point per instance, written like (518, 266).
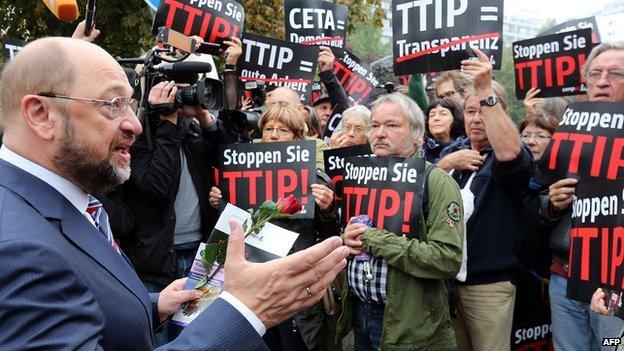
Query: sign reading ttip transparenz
(250, 174)
(433, 36)
(315, 22)
(355, 76)
(385, 189)
(11, 47)
(552, 63)
(278, 63)
(589, 146)
(581, 23)
(213, 20)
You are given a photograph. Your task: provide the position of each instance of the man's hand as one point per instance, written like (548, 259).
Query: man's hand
(466, 159)
(164, 93)
(561, 193)
(326, 58)
(173, 296)
(353, 237)
(338, 139)
(278, 289)
(234, 50)
(598, 302)
(79, 32)
(531, 101)
(481, 72)
(215, 196)
(323, 196)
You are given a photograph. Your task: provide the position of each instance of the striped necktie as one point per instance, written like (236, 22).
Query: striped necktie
(97, 212)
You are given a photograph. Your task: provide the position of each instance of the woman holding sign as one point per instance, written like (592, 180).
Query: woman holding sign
(278, 124)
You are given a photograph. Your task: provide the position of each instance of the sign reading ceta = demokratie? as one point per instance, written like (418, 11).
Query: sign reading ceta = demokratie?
(250, 174)
(572, 25)
(213, 20)
(552, 63)
(278, 64)
(385, 189)
(355, 76)
(588, 144)
(436, 35)
(315, 22)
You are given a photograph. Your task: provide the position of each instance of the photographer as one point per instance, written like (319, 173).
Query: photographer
(170, 182)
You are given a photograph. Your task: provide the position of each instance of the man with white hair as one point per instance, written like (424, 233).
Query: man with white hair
(405, 305)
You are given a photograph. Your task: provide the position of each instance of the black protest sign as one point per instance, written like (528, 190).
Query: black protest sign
(385, 189)
(250, 174)
(10, 48)
(278, 63)
(355, 76)
(316, 91)
(315, 22)
(436, 36)
(213, 20)
(587, 145)
(596, 239)
(334, 167)
(572, 25)
(552, 63)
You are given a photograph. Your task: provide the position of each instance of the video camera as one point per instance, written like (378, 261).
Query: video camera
(246, 121)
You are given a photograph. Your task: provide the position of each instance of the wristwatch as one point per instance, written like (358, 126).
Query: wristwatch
(489, 101)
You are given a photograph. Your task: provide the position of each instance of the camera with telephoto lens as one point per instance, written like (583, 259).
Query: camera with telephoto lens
(246, 121)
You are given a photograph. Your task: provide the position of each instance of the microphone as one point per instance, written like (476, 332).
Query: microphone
(65, 10)
(184, 67)
(90, 16)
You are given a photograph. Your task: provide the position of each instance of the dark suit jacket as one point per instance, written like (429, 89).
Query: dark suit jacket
(63, 287)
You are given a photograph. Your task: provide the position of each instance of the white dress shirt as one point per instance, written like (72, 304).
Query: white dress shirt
(79, 199)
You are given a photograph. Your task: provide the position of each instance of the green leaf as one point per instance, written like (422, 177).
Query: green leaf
(209, 256)
(201, 283)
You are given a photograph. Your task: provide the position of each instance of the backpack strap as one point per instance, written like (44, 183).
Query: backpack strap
(423, 195)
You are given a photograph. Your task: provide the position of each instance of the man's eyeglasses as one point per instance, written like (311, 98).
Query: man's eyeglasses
(449, 94)
(612, 76)
(280, 131)
(118, 105)
(539, 137)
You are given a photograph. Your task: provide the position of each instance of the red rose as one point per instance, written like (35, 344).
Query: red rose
(288, 205)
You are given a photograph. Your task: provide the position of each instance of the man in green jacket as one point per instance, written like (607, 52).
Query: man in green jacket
(401, 304)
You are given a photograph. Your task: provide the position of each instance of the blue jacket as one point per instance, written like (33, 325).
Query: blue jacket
(494, 231)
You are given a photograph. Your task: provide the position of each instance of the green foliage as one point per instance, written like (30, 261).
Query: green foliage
(125, 24)
(365, 43)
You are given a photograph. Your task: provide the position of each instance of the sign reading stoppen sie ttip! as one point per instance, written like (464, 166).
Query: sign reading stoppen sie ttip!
(278, 64)
(436, 35)
(315, 22)
(213, 20)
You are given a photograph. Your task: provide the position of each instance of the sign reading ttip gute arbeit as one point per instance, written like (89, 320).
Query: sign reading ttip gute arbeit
(315, 22)
(572, 25)
(278, 63)
(213, 20)
(11, 47)
(436, 35)
(552, 63)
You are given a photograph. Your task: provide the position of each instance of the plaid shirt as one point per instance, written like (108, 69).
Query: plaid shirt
(370, 292)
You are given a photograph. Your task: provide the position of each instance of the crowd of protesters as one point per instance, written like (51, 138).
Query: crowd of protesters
(490, 228)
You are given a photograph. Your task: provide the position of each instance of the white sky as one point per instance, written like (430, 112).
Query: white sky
(560, 10)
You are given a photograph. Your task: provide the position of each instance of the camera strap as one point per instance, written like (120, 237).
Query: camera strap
(164, 109)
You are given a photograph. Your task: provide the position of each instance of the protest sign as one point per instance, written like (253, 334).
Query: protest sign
(433, 36)
(10, 48)
(270, 243)
(278, 63)
(387, 190)
(213, 20)
(334, 167)
(572, 25)
(355, 76)
(552, 63)
(250, 174)
(315, 22)
(587, 145)
(316, 91)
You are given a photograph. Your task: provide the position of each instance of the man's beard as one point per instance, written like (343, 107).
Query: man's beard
(74, 161)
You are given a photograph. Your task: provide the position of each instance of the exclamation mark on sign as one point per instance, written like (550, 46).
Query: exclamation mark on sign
(409, 198)
(304, 186)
